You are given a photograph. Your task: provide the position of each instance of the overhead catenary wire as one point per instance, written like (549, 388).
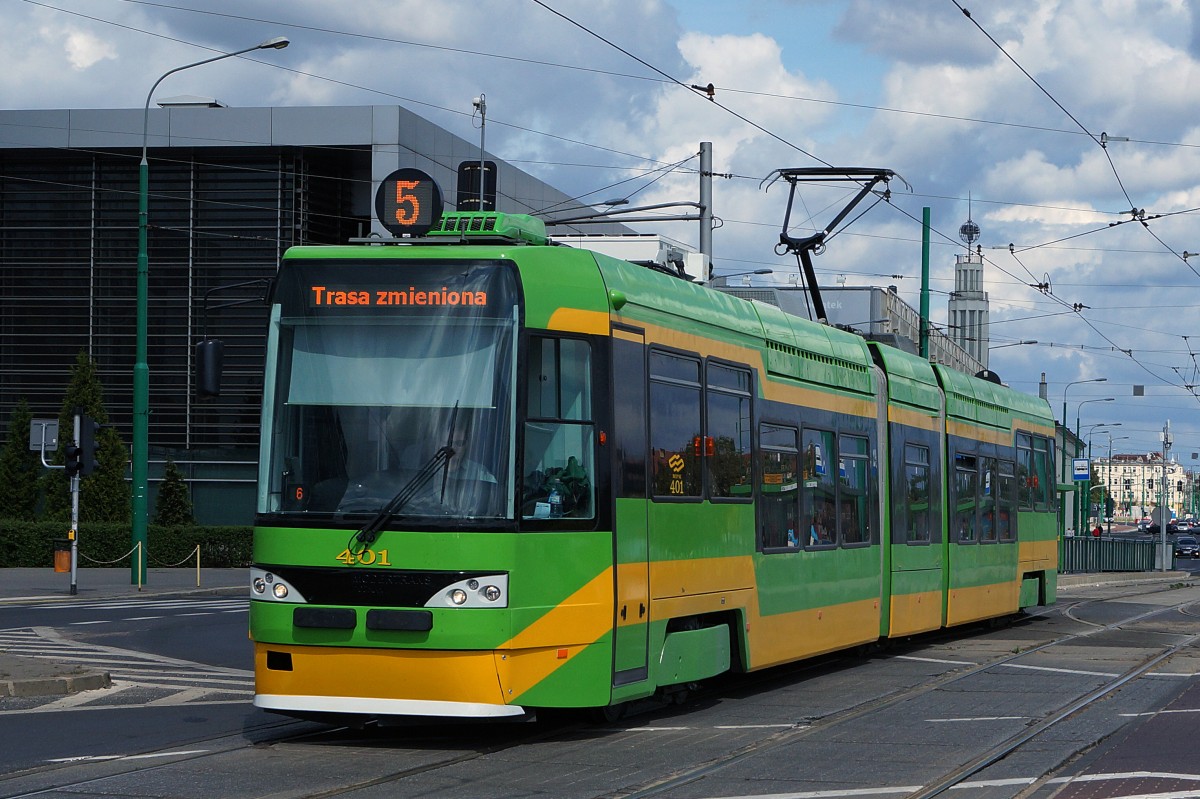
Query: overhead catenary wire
(368, 89)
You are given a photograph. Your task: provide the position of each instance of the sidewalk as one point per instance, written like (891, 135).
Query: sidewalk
(31, 676)
(23, 585)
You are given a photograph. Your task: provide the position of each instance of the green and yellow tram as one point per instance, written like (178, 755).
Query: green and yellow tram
(499, 475)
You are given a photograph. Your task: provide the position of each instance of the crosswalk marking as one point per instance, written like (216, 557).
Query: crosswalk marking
(215, 603)
(134, 674)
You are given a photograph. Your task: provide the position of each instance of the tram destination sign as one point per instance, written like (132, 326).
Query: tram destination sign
(383, 285)
(324, 296)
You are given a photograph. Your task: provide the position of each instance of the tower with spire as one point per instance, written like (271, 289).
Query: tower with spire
(968, 307)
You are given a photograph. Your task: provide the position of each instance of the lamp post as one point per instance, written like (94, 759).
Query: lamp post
(723, 280)
(1085, 507)
(1092, 429)
(1066, 473)
(1109, 479)
(141, 369)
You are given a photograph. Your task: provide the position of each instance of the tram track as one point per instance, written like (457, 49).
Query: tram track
(464, 744)
(975, 765)
(198, 751)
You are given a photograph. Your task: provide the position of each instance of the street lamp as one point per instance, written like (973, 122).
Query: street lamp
(723, 280)
(1109, 478)
(1066, 474)
(141, 369)
(1081, 513)
(1085, 402)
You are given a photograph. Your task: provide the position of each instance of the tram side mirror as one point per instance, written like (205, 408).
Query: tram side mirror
(209, 355)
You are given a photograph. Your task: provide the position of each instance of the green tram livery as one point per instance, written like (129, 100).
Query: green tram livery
(499, 475)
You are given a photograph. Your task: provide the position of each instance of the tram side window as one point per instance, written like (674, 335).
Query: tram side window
(778, 493)
(966, 479)
(989, 486)
(559, 454)
(675, 431)
(1006, 501)
(818, 501)
(1026, 485)
(854, 490)
(916, 523)
(1043, 463)
(728, 399)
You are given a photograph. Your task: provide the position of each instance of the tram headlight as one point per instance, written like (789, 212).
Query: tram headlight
(268, 586)
(479, 591)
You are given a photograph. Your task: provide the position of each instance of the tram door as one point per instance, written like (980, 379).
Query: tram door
(631, 611)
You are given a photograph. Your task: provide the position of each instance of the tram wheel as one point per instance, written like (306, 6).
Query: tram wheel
(609, 714)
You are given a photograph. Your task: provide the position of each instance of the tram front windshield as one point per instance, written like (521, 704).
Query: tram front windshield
(392, 384)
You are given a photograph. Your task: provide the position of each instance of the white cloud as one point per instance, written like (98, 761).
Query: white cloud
(964, 119)
(84, 49)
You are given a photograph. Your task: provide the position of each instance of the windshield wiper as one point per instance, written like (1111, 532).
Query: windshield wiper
(440, 460)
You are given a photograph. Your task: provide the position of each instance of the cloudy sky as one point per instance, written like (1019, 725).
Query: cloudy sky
(1007, 106)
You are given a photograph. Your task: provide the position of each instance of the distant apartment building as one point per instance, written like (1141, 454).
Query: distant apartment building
(1136, 483)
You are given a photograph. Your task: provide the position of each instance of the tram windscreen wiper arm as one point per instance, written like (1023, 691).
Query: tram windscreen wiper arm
(440, 460)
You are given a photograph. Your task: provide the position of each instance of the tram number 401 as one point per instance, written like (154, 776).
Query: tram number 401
(367, 557)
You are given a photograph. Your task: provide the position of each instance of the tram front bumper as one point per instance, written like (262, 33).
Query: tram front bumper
(380, 682)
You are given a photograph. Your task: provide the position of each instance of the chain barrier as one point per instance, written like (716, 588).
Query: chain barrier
(195, 553)
(110, 562)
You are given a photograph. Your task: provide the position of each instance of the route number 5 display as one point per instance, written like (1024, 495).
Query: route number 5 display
(408, 203)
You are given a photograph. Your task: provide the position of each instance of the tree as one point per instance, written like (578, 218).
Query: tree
(103, 495)
(20, 468)
(174, 505)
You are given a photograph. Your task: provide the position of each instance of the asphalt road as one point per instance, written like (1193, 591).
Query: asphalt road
(180, 723)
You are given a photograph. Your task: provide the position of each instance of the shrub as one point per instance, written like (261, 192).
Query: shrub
(31, 545)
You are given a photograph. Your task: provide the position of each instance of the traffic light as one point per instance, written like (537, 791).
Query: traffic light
(88, 430)
(72, 454)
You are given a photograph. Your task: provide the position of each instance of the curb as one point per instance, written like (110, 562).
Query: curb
(53, 686)
(159, 593)
(1088, 579)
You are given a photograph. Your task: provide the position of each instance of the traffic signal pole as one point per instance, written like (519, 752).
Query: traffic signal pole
(73, 533)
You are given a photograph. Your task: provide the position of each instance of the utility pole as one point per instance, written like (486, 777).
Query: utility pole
(74, 532)
(1166, 511)
(924, 334)
(706, 212)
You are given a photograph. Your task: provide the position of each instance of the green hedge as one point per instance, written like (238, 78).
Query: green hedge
(31, 545)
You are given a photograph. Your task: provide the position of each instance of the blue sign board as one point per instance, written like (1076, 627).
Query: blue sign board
(1081, 469)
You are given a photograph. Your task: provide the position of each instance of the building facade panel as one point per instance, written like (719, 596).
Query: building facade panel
(229, 191)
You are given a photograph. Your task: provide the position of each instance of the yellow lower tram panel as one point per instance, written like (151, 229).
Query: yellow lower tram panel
(381, 682)
(396, 682)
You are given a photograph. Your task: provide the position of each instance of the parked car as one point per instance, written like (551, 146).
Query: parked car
(1186, 546)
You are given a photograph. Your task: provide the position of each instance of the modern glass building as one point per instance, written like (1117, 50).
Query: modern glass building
(230, 190)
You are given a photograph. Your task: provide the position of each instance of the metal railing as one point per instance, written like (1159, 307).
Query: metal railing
(1085, 553)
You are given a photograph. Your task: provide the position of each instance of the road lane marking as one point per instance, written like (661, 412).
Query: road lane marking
(87, 758)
